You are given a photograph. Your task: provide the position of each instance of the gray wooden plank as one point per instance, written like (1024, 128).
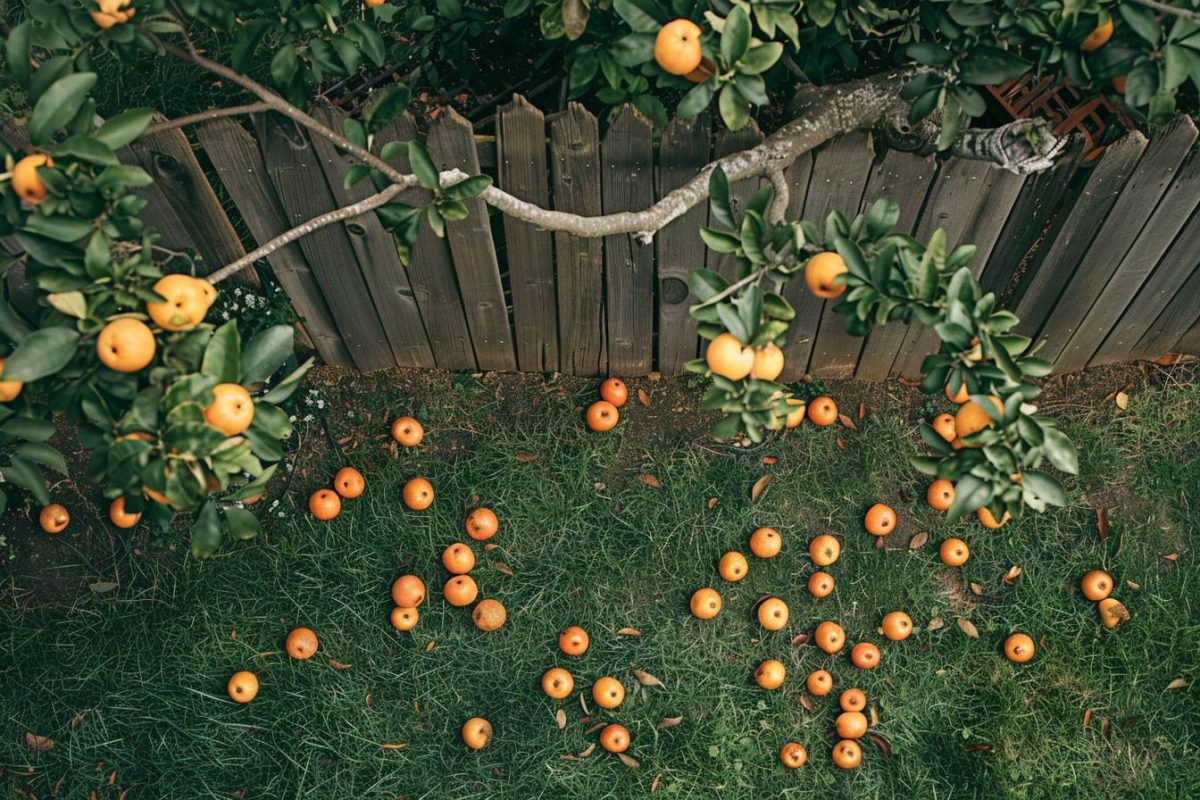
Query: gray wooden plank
(474, 252)
(523, 173)
(575, 160)
(1040, 289)
(803, 327)
(235, 156)
(294, 170)
(905, 178)
(684, 150)
(1129, 215)
(1132, 274)
(386, 278)
(627, 184)
(431, 270)
(839, 178)
(1189, 344)
(1182, 309)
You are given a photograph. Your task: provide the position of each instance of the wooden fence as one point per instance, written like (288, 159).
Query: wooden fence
(1101, 259)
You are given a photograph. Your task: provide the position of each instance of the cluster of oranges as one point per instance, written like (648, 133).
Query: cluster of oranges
(325, 504)
(607, 692)
(301, 644)
(1097, 585)
(603, 415)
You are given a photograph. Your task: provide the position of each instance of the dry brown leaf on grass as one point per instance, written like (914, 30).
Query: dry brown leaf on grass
(650, 480)
(587, 751)
(393, 745)
(654, 784)
(1104, 728)
(976, 589)
(569, 757)
(712, 503)
(1011, 576)
(599, 726)
(799, 639)
(760, 486)
(770, 461)
(560, 718)
(668, 722)
(488, 547)
(1133, 586)
(77, 720)
(918, 541)
(502, 567)
(35, 742)
(368, 700)
(967, 627)
(1178, 683)
(807, 704)
(429, 647)
(339, 665)
(847, 422)
(1122, 400)
(644, 398)
(862, 410)
(881, 743)
(935, 623)
(629, 632)
(1087, 717)
(526, 458)
(646, 679)
(840, 444)
(1171, 556)
(629, 760)
(874, 716)
(1102, 523)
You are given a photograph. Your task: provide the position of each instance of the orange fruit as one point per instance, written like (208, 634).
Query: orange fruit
(824, 549)
(852, 700)
(301, 643)
(242, 686)
(1118, 84)
(614, 391)
(349, 482)
(557, 683)
(1018, 647)
(772, 613)
(54, 518)
(324, 504)
(25, 180)
(408, 591)
(851, 725)
(954, 552)
(677, 46)
(614, 738)
(112, 12)
(120, 517)
(573, 641)
(765, 542)
(988, 519)
(971, 418)
(186, 303)
(961, 396)
(705, 603)
(847, 754)
(703, 72)
(733, 566)
(944, 425)
(1098, 37)
(819, 683)
(940, 494)
(864, 655)
(232, 409)
(608, 692)
(373, 3)
(770, 674)
(125, 345)
(476, 733)
(404, 619)
(489, 615)
(602, 416)
(820, 272)
(418, 494)
(830, 637)
(729, 358)
(407, 432)
(880, 520)
(1096, 585)
(482, 524)
(458, 559)
(1112, 612)
(897, 625)
(768, 362)
(796, 415)
(820, 584)
(823, 411)
(793, 755)
(460, 591)
(8, 389)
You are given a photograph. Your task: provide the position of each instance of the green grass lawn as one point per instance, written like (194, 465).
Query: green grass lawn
(132, 680)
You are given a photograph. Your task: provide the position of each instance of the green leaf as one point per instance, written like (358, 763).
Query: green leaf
(777, 307)
(283, 390)
(386, 105)
(718, 199)
(248, 37)
(985, 65)
(27, 428)
(266, 352)
(41, 353)
(636, 17)
(696, 100)
(17, 48)
(58, 228)
(467, 187)
(633, 49)
(735, 111)
(515, 8)
(28, 477)
(284, 65)
(222, 356)
(422, 165)
(1038, 488)
(760, 59)
(206, 531)
(706, 284)
(43, 454)
(59, 105)
(970, 493)
(85, 148)
(242, 523)
(930, 54)
(1060, 451)
(1142, 21)
(720, 242)
(735, 38)
(72, 304)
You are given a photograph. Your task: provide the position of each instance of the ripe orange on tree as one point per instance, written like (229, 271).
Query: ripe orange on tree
(119, 516)
(458, 559)
(1112, 612)
(677, 46)
(972, 418)
(125, 345)
(733, 566)
(602, 416)
(614, 391)
(954, 552)
(830, 637)
(940, 494)
(729, 358)
(573, 641)
(8, 389)
(772, 613)
(880, 520)
(793, 755)
(301, 643)
(476, 733)
(770, 673)
(823, 411)
(232, 409)
(614, 738)
(407, 431)
(404, 619)
(897, 625)
(824, 549)
(847, 754)
(418, 494)
(851, 725)
(852, 700)
(482, 524)
(608, 692)
(54, 518)
(489, 615)
(961, 396)
(944, 425)
(26, 182)
(768, 362)
(988, 519)
(408, 591)
(1018, 647)
(1098, 37)
(705, 603)
(460, 591)
(796, 415)
(819, 683)
(820, 584)
(765, 542)
(185, 305)
(1096, 585)
(349, 482)
(112, 12)
(324, 504)
(242, 686)
(557, 683)
(820, 273)
(864, 655)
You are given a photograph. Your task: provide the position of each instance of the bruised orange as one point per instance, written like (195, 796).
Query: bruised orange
(489, 615)
(476, 733)
(573, 641)
(940, 494)
(120, 517)
(418, 494)
(772, 613)
(602, 416)
(729, 358)
(185, 302)
(615, 738)
(125, 345)
(880, 520)
(677, 46)
(819, 683)
(852, 700)
(1019, 648)
(705, 603)
(954, 552)
(793, 755)
(864, 655)
(820, 275)
(614, 391)
(407, 431)
(851, 725)
(408, 591)
(823, 411)
(770, 674)
(301, 643)
(54, 518)
(349, 482)
(897, 625)
(944, 425)
(1096, 585)
(1098, 37)
(608, 692)
(458, 559)
(231, 410)
(404, 619)
(482, 524)
(460, 590)
(242, 686)
(733, 566)
(824, 549)
(765, 542)
(1112, 612)
(988, 519)
(324, 504)
(830, 637)
(557, 682)
(847, 754)
(820, 584)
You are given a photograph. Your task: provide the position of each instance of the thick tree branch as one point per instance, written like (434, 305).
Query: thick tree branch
(206, 116)
(1166, 8)
(779, 200)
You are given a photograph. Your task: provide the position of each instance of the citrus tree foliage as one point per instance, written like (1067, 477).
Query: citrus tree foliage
(886, 277)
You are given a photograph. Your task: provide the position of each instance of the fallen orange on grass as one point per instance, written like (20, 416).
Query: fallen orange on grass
(460, 591)
(482, 524)
(489, 615)
(349, 482)
(608, 692)
(602, 416)
(770, 673)
(615, 738)
(557, 683)
(476, 733)
(880, 520)
(772, 614)
(408, 591)
(793, 755)
(407, 431)
(242, 687)
(705, 603)
(766, 542)
(573, 640)
(119, 516)
(824, 549)
(54, 518)
(404, 619)
(418, 494)
(324, 504)
(614, 391)
(301, 643)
